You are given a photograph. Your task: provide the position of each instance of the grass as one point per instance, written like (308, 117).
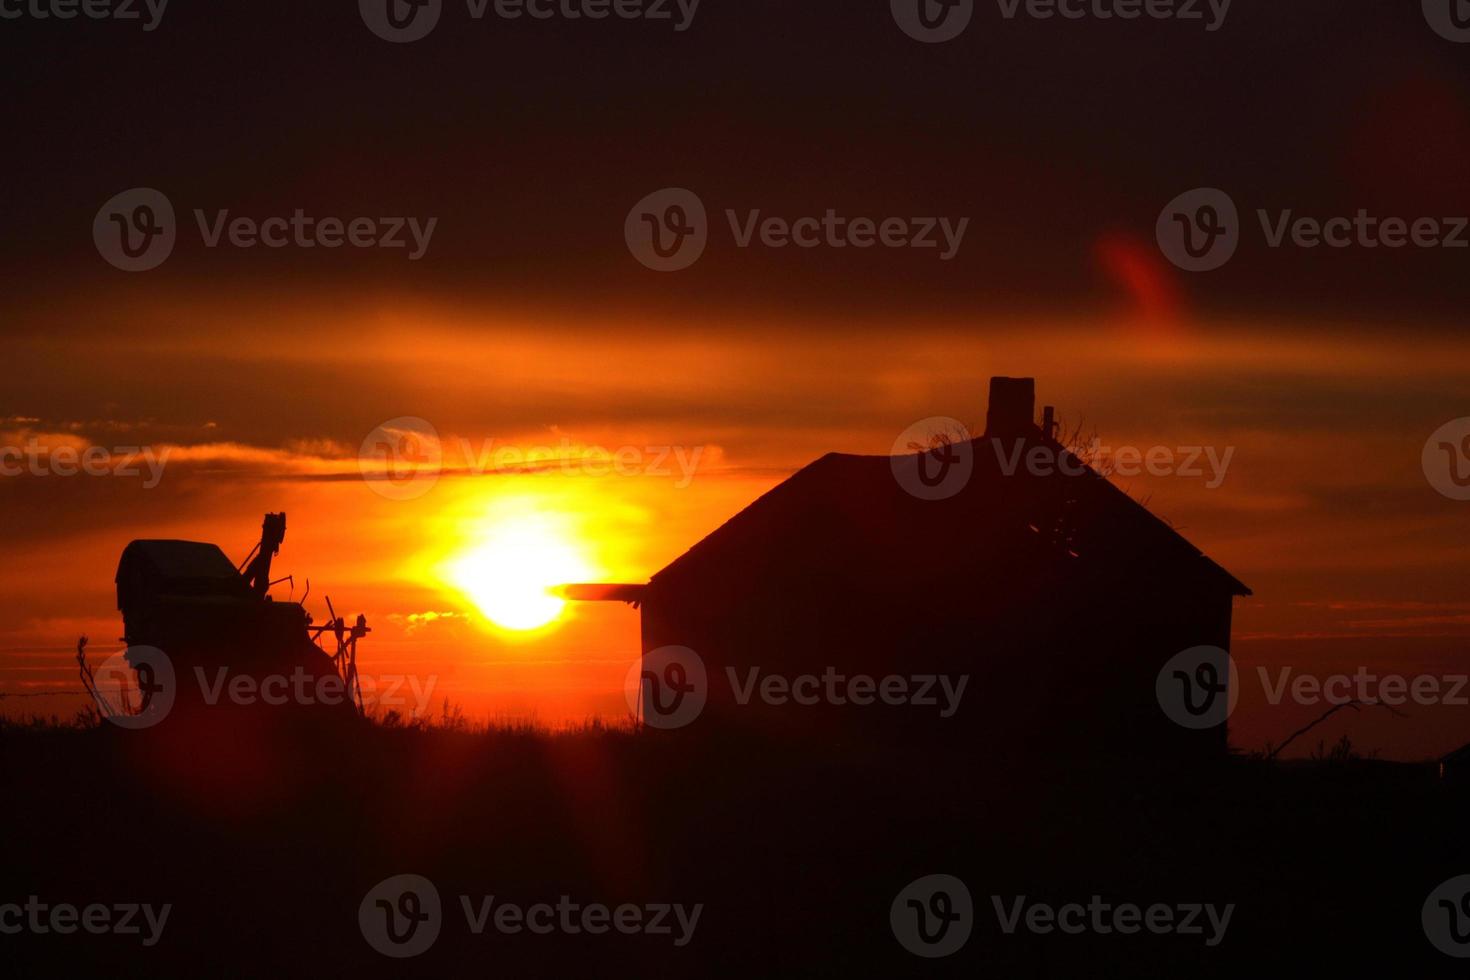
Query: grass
(266, 841)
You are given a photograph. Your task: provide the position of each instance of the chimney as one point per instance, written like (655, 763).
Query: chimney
(1012, 407)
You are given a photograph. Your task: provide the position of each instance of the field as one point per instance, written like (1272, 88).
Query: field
(265, 844)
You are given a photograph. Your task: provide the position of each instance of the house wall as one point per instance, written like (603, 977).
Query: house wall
(1057, 676)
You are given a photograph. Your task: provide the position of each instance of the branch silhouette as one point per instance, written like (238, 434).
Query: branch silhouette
(1356, 705)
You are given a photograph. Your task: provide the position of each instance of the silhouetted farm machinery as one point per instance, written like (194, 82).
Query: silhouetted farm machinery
(228, 645)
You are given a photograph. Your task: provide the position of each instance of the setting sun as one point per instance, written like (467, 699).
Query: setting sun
(511, 565)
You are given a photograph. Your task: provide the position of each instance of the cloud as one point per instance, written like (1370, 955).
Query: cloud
(412, 623)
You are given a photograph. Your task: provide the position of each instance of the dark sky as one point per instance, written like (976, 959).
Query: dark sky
(531, 140)
(263, 371)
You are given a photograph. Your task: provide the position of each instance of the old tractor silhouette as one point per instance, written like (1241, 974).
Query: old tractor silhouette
(227, 644)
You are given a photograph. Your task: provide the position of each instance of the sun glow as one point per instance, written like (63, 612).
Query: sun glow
(511, 564)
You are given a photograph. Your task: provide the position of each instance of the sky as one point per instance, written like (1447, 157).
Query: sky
(526, 323)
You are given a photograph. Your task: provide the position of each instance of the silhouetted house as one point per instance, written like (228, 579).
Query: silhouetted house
(1059, 595)
(1454, 769)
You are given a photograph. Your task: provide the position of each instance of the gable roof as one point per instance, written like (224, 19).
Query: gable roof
(846, 515)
